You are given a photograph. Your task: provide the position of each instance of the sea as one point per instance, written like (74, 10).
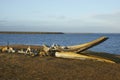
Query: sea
(112, 45)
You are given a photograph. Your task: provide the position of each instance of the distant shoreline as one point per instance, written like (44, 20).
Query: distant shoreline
(13, 32)
(25, 32)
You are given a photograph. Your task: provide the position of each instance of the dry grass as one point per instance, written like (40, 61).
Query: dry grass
(21, 67)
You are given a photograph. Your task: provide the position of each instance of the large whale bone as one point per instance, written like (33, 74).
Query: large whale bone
(73, 55)
(75, 48)
(82, 47)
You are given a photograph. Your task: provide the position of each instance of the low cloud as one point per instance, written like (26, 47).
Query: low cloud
(2, 21)
(113, 16)
(91, 23)
(109, 19)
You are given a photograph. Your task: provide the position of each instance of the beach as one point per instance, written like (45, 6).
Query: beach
(21, 67)
(14, 66)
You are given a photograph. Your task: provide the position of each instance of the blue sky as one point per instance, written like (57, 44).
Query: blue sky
(92, 16)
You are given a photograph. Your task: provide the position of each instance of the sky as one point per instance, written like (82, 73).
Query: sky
(78, 16)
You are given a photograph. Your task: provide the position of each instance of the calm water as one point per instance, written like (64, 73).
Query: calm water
(112, 45)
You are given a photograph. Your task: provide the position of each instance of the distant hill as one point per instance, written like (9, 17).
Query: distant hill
(15, 32)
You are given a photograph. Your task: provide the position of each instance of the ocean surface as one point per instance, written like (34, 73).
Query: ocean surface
(112, 45)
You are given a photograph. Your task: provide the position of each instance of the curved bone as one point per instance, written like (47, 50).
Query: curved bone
(8, 49)
(46, 48)
(73, 55)
(4, 49)
(83, 47)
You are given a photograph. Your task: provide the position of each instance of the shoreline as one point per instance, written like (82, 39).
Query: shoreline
(32, 32)
(20, 32)
(110, 56)
(16, 66)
